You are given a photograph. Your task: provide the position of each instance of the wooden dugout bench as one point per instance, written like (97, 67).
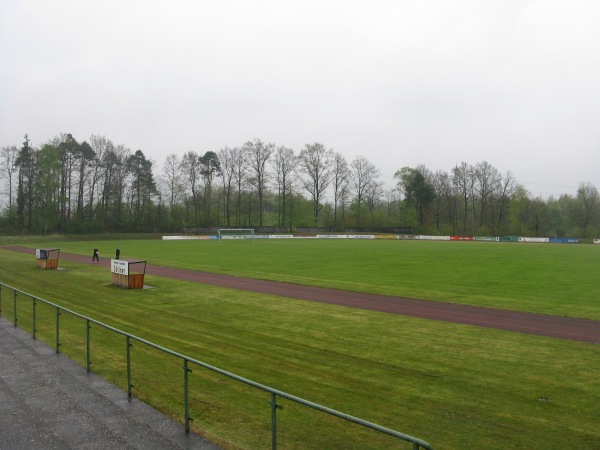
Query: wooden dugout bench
(47, 258)
(128, 273)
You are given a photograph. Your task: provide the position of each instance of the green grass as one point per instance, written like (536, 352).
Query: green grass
(455, 386)
(542, 278)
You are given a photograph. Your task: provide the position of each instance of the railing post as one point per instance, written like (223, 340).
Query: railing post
(87, 344)
(34, 303)
(57, 329)
(186, 402)
(15, 307)
(274, 408)
(129, 385)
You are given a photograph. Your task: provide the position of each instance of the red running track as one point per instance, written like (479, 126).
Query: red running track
(573, 328)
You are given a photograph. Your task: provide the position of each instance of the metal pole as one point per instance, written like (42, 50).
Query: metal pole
(87, 344)
(34, 327)
(129, 385)
(57, 329)
(186, 403)
(15, 308)
(274, 408)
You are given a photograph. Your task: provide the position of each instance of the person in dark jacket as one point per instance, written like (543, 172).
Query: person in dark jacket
(118, 253)
(95, 256)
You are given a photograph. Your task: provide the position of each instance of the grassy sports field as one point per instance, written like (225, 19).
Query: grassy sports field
(554, 279)
(454, 386)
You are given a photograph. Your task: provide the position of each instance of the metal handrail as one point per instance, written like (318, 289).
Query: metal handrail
(417, 443)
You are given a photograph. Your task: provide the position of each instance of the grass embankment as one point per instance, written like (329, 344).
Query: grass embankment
(455, 386)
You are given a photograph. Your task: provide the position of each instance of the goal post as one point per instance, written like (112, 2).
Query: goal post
(236, 233)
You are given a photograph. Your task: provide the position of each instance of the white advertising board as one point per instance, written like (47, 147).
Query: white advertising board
(534, 239)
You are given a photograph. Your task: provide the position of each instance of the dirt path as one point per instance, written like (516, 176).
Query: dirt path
(577, 329)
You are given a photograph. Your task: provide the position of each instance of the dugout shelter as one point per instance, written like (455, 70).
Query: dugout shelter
(47, 258)
(128, 273)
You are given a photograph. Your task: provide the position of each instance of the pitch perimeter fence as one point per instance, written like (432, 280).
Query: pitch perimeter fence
(186, 361)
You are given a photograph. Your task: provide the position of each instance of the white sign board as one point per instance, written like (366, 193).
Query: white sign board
(119, 266)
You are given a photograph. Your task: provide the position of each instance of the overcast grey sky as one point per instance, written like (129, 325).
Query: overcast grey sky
(402, 82)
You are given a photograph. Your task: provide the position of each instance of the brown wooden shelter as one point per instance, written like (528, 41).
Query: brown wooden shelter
(47, 258)
(128, 273)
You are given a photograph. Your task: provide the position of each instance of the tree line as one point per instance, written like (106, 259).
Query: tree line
(97, 186)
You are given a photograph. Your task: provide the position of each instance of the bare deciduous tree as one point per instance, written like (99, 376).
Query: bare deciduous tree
(101, 146)
(340, 180)
(258, 154)
(445, 200)
(190, 165)
(284, 164)
(463, 180)
(227, 159)
(238, 156)
(316, 162)
(8, 170)
(487, 178)
(171, 184)
(364, 177)
(505, 192)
